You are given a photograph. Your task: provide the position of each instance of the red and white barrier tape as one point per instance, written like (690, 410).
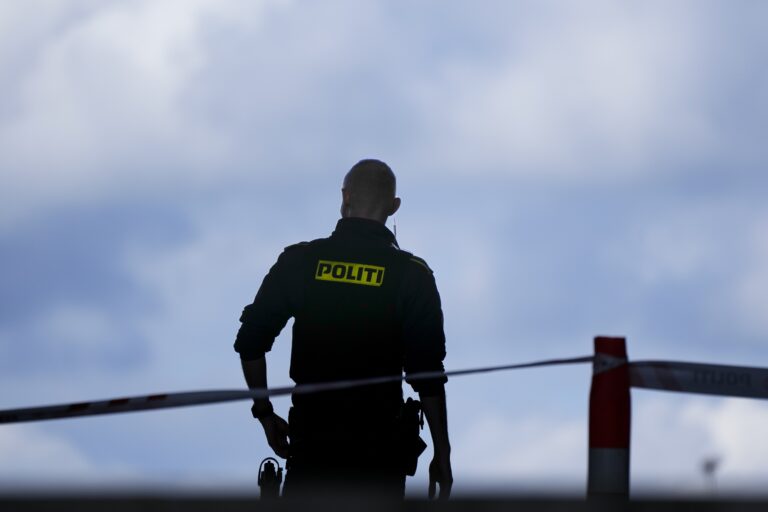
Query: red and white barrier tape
(738, 381)
(708, 379)
(168, 400)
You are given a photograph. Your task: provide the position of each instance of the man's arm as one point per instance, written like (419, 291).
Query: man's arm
(440, 468)
(424, 342)
(275, 427)
(261, 322)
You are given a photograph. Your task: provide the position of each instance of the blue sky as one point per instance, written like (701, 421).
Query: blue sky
(567, 169)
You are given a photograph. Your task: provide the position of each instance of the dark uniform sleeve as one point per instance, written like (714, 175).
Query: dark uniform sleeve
(423, 335)
(274, 304)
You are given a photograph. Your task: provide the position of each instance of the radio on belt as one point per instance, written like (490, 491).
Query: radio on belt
(270, 478)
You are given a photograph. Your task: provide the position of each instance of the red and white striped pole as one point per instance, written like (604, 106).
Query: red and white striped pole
(609, 421)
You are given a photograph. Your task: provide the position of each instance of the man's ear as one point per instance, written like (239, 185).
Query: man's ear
(345, 198)
(395, 205)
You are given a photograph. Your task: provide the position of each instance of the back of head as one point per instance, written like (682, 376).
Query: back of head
(369, 191)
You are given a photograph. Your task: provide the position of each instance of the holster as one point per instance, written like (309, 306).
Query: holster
(410, 442)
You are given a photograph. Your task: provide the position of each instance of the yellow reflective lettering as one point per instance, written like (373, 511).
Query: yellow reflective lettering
(350, 273)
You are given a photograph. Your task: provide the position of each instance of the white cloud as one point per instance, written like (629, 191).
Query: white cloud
(673, 251)
(29, 454)
(121, 96)
(749, 298)
(200, 287)
(28, 451)
(737, 428)
(583, 90)
(675, 244)
(76, 326)
(667, 444)
(672, 434)
(464, 268)
(102, 106)
(501, 448)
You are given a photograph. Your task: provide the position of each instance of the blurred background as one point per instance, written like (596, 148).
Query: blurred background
(568, 169)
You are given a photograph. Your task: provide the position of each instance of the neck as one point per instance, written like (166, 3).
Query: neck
(377, 218)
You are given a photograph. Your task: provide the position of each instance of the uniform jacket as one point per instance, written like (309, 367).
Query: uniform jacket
(362, 307)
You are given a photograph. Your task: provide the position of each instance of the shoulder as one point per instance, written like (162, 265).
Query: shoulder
(293, 254)
(296, 247)
(414, 262)
(296, 253)
(304, 246)
(418, 281)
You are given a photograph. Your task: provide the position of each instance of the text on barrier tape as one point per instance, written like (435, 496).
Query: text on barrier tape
(708, 379)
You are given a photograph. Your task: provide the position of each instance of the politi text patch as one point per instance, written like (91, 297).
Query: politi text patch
(353, 273)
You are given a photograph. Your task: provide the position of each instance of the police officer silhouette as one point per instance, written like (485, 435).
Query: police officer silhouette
(362, 307)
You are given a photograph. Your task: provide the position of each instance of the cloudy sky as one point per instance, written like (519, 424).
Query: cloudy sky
(568, 169)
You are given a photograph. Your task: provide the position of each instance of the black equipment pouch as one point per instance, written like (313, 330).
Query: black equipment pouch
(411, 443)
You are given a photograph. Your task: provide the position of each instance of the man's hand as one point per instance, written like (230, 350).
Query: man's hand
(276, 430)
(275, 427)
(440, 473)
(440, 468)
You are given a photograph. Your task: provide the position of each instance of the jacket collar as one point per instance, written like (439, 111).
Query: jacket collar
(356, 227)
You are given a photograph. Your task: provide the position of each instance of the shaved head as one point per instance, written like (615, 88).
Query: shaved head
(369, 191)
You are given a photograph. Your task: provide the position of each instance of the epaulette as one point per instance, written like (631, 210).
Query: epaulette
(419, 261)
(295, 246)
